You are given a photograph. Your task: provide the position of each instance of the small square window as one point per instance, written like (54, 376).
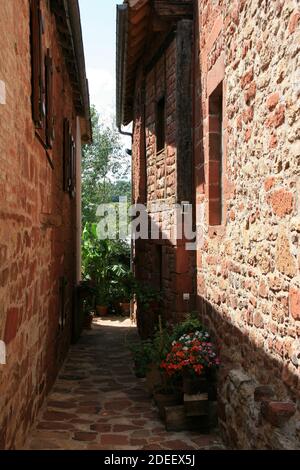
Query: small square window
(160, 125)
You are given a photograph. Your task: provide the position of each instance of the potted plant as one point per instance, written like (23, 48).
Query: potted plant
(192, 357)
(160, 345)
(148, 309)
(167, 395)
(142, 353)
(124, 288)
(102, 300)
(105, 264)
(88, 319)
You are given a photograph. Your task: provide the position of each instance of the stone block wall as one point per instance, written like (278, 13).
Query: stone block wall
(163, 264)
(248, 264)
(37, 245)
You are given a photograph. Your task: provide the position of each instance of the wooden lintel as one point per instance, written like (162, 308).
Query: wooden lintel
(173, 9)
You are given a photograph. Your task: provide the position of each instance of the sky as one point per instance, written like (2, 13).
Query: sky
(98, 18)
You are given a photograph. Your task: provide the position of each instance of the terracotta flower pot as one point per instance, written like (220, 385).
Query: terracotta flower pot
(102, 310)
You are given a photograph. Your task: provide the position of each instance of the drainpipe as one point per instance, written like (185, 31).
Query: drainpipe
(128, 134)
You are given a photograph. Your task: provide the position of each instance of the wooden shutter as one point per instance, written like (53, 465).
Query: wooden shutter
(49, 100)
(73, 167)
(38, 105)
(69, 163)
(66, 154)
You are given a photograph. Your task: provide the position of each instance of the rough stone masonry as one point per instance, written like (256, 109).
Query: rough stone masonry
(37, 225)
(245, 184)
(248, 277)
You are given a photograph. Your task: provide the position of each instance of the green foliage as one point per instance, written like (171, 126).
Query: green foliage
(104, 262)
(89, 293)
(156, 350)
(143, 356)
(145, 295)
(105, 178)
(189, 325)
(105, 169)
(161, 342)
(150, 351)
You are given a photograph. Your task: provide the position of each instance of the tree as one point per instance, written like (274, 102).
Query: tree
(105, 169)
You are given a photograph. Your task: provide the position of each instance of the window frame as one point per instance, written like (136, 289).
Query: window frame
(216, 156)
(37, 75)
(160, 124)
(69, 160)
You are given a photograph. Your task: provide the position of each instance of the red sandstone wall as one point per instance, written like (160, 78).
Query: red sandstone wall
(159, 173)
(249, 267)
(37, 243)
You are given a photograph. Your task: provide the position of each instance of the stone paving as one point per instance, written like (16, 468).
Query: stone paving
(97, 402)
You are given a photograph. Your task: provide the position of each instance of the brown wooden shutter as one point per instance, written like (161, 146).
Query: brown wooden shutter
(37, 63)
(73, 167)
(69, 163)
(49, 100)
(66, 156)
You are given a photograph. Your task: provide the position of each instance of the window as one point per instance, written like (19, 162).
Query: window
(160, 125)
(66, 154)
(72, 167)
(49, 100)
(69, 161)
(215, 164)
(42, 79)
(38, 92)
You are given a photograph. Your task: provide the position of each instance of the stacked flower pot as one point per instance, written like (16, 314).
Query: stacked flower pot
(188, 405)
(180, 365)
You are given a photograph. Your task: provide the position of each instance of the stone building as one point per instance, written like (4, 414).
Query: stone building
(212, 88)
(154, 91)
(44, 118)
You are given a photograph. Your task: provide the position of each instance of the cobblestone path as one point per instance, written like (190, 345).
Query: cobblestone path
(98, 403)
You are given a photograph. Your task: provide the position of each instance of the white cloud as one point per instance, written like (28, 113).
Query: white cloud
(102, 86)
(102, 91)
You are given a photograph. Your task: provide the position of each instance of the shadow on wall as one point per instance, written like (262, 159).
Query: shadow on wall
(167, 268)
(257, 393)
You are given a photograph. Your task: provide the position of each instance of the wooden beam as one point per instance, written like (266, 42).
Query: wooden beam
(138, 15)
(173, 8)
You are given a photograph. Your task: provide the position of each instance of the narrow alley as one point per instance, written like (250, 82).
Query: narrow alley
(98, 403)
(149, 174)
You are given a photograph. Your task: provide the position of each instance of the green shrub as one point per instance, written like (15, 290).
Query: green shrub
(143, 356)
(189, 325)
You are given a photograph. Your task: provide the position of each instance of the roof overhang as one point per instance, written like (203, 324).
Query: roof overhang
(136, 20)
(68, 23)
(132, 28)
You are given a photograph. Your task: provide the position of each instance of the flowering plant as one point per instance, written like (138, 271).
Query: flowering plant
(193, 353)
